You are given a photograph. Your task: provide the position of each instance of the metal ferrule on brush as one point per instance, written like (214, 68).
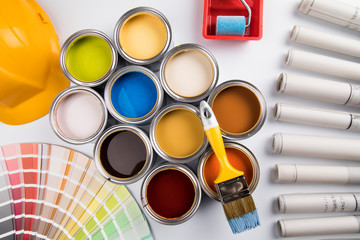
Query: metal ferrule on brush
(232, 189)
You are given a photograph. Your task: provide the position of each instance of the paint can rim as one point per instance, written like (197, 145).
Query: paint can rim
(262, 103)
(61, 96)
(155, 144)
(174, 51)
(126, 16)
(197, 189)
(123, 119)
(74, 37)
(149, 151)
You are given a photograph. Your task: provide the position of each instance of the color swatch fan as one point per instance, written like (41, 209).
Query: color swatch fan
(51, 192)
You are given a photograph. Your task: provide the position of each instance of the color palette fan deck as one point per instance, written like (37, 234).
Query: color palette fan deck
(51, 192)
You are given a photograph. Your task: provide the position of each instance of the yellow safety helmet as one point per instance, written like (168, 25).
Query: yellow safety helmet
(30, 73)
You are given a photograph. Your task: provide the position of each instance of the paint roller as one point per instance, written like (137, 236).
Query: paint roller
(233, 25)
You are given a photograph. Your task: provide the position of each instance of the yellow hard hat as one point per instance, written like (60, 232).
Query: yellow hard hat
(30, 73)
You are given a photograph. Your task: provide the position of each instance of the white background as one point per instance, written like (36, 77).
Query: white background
(259, 62)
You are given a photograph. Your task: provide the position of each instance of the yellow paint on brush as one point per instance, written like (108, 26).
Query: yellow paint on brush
(179, 133)
(143, 36)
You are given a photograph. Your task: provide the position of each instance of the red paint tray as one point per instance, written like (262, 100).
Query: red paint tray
(213, 8)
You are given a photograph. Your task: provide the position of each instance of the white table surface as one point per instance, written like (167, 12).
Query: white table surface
(259, 62)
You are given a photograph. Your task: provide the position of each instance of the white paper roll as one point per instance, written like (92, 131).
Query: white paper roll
(319, 89)
(319, 226)
(323, 64)
(316, 116)
(316, 146)
(297, 173)
(327, 41)
(319, 202)
(345, 13)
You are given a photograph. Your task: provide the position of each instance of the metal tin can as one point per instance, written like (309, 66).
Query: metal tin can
(132, 15)
(133, 95)
(123, 154)
(154, 183)
(177, 134)
(90, 46)
(244, 154)
(189, 72)
(240, 108)
(78, 115)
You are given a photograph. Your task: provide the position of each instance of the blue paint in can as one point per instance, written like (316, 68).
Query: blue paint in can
(134, 94)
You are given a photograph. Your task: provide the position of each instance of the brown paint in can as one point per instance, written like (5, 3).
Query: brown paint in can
(237, 109)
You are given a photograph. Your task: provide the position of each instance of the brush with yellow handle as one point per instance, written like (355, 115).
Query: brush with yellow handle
(230, 184)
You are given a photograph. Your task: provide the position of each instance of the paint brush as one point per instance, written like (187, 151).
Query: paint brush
(234, 194)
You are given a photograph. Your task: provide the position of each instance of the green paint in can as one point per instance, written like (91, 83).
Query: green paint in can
(88, 58)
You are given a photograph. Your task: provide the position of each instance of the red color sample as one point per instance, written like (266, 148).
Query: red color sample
(170, 193)
(12, 164)
(29, 161)
(214, 8)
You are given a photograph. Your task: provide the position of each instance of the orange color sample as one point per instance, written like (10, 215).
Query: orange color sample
(237, 158)
(237, 109)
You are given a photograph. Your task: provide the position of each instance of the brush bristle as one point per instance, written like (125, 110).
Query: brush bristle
(245, 222)
(241, 214)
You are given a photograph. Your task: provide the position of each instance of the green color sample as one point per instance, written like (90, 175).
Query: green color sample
(112, 203)
(114, 236)
(80, 235)
(110, 230)
(123, 194)
(98, 236)
(137, 221)
(88, 58)
(148, 237)
(101, 214)
(133, 210)
(130, 235)
(143, 228)
(91, 225)
(123, 222)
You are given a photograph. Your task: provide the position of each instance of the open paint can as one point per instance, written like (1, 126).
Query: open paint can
(189, 72)
(133, 95)
(123, 154)
(170, 194)
(239, 107)
(142, 35)
(78, 115)
(88, 58)
(177, 133)
(239, 157)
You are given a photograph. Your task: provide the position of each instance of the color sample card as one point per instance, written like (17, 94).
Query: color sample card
(119, 217)
(51, 192)
(30, 165)
(10, 154)
(7, 217)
